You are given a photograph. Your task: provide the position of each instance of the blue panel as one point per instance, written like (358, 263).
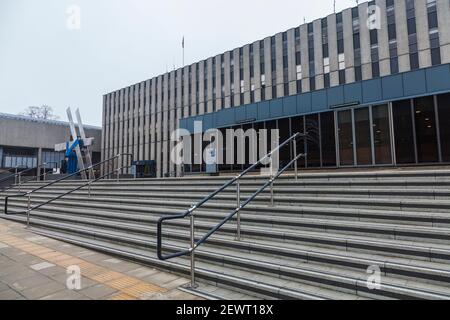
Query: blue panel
(414, 82)
(336, 96)
(208, 121)
(252, 111)
(183, 123)
(225, 117)
(438, 78)
(353, 93)
(319, 100)
(239, 113)
(304, 103)
(290, 106)
(263, 110)
(190, 125)
(276, 108)
(372, 90)
(393, 87)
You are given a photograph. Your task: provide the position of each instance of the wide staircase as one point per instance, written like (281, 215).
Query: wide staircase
(323, 238)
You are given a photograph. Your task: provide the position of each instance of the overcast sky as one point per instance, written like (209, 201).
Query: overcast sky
(122, 42)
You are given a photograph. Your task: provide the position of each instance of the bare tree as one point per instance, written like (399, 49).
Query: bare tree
(44, 112)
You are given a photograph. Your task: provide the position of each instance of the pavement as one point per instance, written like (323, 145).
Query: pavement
(33, 267)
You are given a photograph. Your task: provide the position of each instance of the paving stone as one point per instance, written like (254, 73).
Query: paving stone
(42, 266)
(19, 274)
(175, 283)
(65, 295)
(98, 291)
(43, 290)
(142, 272)
(30, 282)
(62, 279)
(112, 260)
(52, 271)
(160, 278)
(9, 295)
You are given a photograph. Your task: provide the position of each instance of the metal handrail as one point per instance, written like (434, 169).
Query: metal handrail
(190, 213)
(19, 182)
(18, 174)
(118, 170)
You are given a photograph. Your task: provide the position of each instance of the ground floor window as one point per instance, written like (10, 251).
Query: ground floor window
(411, 131)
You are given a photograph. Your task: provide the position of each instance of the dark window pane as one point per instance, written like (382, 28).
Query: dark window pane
(358, 74)
(298, 127)
(285, 133)
(341, 76)
(381, 134)
(436, 56)
(313, 147)
(404, 132)
(312, 84)
(394, 65)
(414, 61)
(328, 141)
(375, 69)
(362, 134)
(345, 137)
(426, 130)
(432, 20)
(444, 125)
(326, 80)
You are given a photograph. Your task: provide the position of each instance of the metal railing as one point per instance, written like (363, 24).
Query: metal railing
(237, 212)
(88, 184)
(18, 176)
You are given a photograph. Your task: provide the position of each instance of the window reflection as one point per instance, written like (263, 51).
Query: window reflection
(426, 137)
(381, 134)
(345, 137)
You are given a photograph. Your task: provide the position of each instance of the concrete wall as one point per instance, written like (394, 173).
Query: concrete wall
(34, 134)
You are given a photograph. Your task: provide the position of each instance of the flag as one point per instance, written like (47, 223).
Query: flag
(182, 43)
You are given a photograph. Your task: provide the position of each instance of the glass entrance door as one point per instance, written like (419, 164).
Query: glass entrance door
(364, 136)
(345, 136)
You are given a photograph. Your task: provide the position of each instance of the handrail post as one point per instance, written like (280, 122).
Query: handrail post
(45, 171)
(20, 180)
(89, 188)
(238, 208)
(119, 164)
(15, 175)
(271, 181)
(28, 211)
(295, 157)
(193, 284)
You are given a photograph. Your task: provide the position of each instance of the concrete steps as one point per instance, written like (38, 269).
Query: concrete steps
(317, 242)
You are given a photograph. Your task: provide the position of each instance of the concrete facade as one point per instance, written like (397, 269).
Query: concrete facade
(140, 118)
(24, 133)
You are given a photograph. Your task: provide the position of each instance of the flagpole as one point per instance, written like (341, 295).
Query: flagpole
(183, 50)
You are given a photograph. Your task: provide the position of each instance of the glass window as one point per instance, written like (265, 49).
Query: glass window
(328, 141)
(297, 126)
(444, 125)
(403, 132)
(363, 139)
(285, 133)
(313, 141)
(381, 134)
(426, 137)
(345, 131)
